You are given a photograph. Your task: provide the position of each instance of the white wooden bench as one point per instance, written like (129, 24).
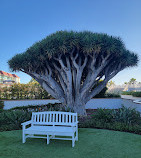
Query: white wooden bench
(52, 125)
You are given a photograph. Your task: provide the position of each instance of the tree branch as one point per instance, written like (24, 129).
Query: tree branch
(68, 80)
(103, 83)
(90, 79)
(49, 83)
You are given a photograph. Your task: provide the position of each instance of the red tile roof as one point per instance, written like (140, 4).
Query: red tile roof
(8, 74)
(15, 75)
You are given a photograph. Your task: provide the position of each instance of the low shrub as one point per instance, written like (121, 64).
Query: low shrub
(123, 119)
(11, 120)
(136, 94)
(126, 115)
(112, 95)
(123, 115)
(47, 107)
(1, 105)
(127, 93)
(104, 115)
(116, 126)
(102, 93)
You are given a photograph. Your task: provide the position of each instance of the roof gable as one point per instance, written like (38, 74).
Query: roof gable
(8, 74)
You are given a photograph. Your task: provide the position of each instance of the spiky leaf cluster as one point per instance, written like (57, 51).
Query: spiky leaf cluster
(63, 42)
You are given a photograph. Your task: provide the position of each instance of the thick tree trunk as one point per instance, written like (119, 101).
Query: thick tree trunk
(78, 107)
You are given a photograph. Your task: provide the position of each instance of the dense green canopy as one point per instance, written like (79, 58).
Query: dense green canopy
(62, 42)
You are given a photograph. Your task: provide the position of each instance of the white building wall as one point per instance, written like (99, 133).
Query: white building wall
(92, 104)
(19, 103)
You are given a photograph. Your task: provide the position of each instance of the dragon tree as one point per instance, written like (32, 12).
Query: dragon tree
(74, 66)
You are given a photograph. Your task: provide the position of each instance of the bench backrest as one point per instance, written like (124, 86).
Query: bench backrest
(54, 118)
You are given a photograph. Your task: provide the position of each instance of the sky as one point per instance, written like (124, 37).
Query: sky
(22, 23)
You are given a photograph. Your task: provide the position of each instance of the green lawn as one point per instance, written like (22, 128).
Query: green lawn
(93, 143)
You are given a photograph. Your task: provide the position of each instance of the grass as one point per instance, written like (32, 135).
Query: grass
(93, 143)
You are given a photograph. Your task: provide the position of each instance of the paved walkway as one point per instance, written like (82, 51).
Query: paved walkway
(133, 102)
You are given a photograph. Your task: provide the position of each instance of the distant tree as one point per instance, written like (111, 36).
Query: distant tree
(15, 91)
(5, 93)
(110, 83)
(69, 65)
(132, 81)
(36, 90)
(33, 81)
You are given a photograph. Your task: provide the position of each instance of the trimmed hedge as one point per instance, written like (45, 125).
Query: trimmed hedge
(47, 107)
(127, 93)
(135, 94)
(116, 126)
(112, 95)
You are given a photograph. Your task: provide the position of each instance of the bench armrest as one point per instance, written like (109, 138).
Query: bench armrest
(26, 123)
(75, 124)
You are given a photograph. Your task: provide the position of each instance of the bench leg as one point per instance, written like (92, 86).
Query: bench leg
(24, 138)
(73, 141)
(77, 135)
(47, 139)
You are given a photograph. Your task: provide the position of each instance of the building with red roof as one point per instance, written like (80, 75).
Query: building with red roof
(8, 78)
